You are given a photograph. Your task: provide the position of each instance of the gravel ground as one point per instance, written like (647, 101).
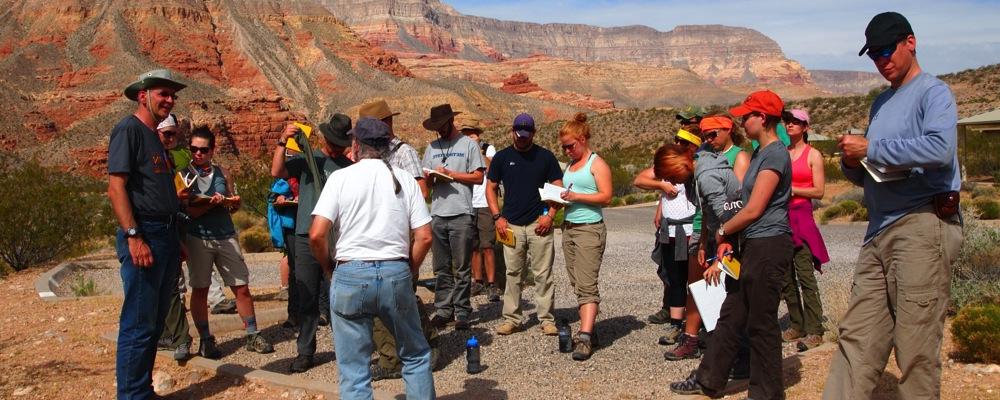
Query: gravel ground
(628, 353)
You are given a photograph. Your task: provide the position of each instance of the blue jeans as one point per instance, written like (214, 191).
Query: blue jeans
(147, 300)
(360, 291)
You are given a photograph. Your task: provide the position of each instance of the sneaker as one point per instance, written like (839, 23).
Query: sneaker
(809, 342)
(290, 323)
(673, 333)
(182, 352)
(301, 364)
(582, 349)
(661, 317)
(477, 288)
(549, 329)
(282, 294)
(508, 328)
(324, 319)
(439, 322)
(493, 293)
(257, 344)
(380, 373)
(164, 344)
(686, 349)
(689, 386)
(227, 306)
(208, 349)
(790, 335)
(461, 324)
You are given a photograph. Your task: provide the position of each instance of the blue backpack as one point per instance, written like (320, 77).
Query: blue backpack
(279, 218)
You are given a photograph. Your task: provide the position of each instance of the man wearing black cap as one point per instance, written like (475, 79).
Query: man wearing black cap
(309, 279)
(458, 166)
(375, 210)
(901, 280)
(144, 200)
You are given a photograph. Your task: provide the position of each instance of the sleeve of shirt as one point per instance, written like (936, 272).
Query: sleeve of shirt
(427, 158)
(935, 146)
(476, 161)
(121, 151)
(554, 172)
(491, 151)
(419, 215)
(327, 206)
(411, 161)
(496, 170)
(855, 175)
(776, 162)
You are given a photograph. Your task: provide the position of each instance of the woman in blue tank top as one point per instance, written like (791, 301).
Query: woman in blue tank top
(588, 188)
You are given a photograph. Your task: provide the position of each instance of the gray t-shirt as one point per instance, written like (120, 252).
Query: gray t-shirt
(774, 221)
(460, 154)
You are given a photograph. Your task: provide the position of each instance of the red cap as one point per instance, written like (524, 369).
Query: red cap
(714, 122)
(764, 101)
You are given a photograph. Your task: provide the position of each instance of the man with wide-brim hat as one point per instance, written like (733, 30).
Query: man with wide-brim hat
(312, 287)
(144, 200)
(458, 166)
(401, 154)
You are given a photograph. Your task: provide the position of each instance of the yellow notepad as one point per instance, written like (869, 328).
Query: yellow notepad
(731, 266)
(294, 145)
(507, 240)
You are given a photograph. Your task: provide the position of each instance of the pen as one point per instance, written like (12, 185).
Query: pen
(569, 187)
(713, 258)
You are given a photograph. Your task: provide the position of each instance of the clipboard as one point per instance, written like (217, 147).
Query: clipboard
(709, 299)
(292, 143)
(438, 175)
(509, 240)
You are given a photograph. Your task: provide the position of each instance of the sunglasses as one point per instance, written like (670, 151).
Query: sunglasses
(885, 52)
(203, 150)
(568, 147)
(711, 135)
(168, 133)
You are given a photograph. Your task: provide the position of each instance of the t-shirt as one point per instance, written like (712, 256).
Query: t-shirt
(371, 221)
(297, 167)
(677, 208)
(461, 154)
(136, 150)
(521, 174)
(774, 221)
(216, 223)
(479, 191)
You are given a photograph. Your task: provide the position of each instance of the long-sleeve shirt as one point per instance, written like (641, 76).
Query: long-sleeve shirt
(913, 126)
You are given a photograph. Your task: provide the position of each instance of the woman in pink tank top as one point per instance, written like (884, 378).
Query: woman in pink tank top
(805, 312)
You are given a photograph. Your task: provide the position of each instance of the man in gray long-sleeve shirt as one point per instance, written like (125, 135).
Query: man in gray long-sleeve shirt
(902, 276)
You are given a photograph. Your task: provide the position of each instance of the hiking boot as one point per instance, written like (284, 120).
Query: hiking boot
(809, 342)
(439, 322)
(686, 349)
(582, 349)
(301, 364)
(182, 352)
(477, 289)
(508, 328)
(324, 319)
(257, 344)
(493, 293)
(164, 344)
(461, 324)
(227, 306)
(435, 356)
(790, 335)
(290, 323)
(661, 317)
(379, 373)
(208, 349)
(282, 294)
(672, 335)
(688, 386)
(549, 329)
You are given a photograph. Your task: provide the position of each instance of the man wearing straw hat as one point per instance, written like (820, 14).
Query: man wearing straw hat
(144, 200)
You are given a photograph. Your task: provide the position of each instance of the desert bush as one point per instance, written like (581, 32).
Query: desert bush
(976, 273)
(255, 240)
(855, 194)
(62, 215)
(831, 212)
(981, 191)
(987, 208)
(253, 183)
(860, 215)
(83, 287)
(617, 202)
(996, 176)
(976, 330)
(631, 199)
(849, 206)
(244, 220)
(650, 197)
(831, 167)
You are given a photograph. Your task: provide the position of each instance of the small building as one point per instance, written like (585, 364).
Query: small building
(979, 145)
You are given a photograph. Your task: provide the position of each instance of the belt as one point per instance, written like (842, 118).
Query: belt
(165, 218)
(402, 259)
(574, 225)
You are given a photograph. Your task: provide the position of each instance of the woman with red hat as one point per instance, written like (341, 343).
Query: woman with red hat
(763, 229)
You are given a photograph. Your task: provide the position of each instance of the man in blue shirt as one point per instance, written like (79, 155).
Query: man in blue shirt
(901, 280)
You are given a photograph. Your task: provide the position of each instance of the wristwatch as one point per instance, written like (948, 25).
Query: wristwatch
(131, 232)
(496, 216)
(721, 231)
(282, 143)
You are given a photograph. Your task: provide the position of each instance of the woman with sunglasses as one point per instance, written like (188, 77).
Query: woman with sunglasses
(762, 226)
(169, 132)
(808, 182)
(588, 188)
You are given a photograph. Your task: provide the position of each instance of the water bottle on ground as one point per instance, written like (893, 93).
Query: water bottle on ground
(472, 362)
(565, 337)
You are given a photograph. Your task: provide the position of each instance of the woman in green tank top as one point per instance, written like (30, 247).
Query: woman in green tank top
(588, 188)
(719, 135)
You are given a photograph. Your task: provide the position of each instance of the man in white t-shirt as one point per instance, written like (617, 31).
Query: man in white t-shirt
(483, 262)
(373, 209)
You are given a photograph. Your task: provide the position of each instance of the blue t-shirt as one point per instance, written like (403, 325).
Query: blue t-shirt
(774, 220)
(521, 174)
(136, 150)
(914, 126)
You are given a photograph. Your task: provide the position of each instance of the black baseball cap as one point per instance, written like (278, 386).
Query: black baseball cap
(885, 29)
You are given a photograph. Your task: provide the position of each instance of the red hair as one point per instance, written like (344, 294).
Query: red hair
(576, 128)
(674, 163)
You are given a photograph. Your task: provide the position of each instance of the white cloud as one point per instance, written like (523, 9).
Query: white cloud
(951, 35)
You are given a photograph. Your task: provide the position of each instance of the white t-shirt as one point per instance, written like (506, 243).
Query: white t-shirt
(479, 191)
(677, 207)
(370, 221)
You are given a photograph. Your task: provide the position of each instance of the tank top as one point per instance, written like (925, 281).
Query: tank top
(583, 182)
(802, 175)
(731, 154)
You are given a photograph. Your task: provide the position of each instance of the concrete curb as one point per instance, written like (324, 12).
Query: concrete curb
(46, 283)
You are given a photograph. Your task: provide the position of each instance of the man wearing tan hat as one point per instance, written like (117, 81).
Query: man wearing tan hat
(401, 154)
(144, 200)
(457, 158)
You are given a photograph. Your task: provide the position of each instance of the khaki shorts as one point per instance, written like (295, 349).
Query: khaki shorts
(583, 249)
(224, 254)
(487, 234)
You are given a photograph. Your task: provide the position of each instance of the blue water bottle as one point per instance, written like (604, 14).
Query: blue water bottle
(472, 362)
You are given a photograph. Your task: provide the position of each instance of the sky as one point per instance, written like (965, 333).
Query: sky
(952, 35)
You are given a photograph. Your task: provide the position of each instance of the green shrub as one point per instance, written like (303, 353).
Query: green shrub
(831, 213)
(849, 206)
(976, 330)
(976, 273)
(48, 214)
(650, 197)
(253, 183)
(855, 194)
(996, 176)
(244, 220)
(617, 202)
(983, 191)
(831, 168)
(860, 215)
(82, 287)
(255, 240)
(987, 208)
(631, 199)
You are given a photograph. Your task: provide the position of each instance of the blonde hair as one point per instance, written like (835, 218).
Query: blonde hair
(576, 128)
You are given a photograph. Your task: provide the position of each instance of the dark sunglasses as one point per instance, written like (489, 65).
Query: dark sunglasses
(568, 147)
(203, 150)
(711, 135)
(885, 52)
